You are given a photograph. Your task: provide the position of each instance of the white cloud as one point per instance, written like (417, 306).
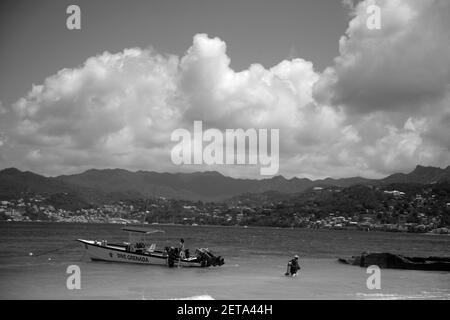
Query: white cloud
(120, 109)
(382, 107)
(402, 66)
(392, 76)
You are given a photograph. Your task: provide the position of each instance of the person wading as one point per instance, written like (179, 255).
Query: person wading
(293, 267)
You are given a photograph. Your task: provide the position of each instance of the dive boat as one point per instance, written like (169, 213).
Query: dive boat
(138, 250)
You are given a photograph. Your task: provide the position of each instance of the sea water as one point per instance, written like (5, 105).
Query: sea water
(255, 263)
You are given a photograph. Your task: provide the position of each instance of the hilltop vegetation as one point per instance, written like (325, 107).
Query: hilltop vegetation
(407, 203)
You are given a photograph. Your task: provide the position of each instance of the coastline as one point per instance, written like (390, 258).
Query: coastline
(222, 226)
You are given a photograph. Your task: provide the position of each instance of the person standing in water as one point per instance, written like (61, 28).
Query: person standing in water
(293, 267)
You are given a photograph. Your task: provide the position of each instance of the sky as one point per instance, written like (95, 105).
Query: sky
(36, 42)
(347, 100)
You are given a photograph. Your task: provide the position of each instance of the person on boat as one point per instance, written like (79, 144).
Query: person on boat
(293, 267)
(181, 248)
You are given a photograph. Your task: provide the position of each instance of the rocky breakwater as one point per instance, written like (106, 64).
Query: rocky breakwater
(397, 261)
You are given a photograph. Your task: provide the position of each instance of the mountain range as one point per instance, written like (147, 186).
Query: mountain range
(99, 186)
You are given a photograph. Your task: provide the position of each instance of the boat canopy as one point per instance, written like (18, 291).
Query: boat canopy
(138, 229)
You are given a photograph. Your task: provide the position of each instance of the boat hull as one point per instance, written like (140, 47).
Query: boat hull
(117, 253)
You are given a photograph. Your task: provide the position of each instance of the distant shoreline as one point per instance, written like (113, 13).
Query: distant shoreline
(222, 226)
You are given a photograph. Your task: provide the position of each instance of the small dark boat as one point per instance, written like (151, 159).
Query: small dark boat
(396, 261)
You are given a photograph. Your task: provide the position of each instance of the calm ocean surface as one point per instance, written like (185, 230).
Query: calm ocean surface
(255, 263)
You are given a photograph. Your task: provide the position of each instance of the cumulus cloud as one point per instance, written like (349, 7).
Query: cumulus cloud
(383, 106)
(402, 66)
(385, 80)
(120, 109)
(111, 111)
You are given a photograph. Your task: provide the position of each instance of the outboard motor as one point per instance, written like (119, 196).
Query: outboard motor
(207, 258)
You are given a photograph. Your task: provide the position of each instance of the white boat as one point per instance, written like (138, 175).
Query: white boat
(142, 252)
